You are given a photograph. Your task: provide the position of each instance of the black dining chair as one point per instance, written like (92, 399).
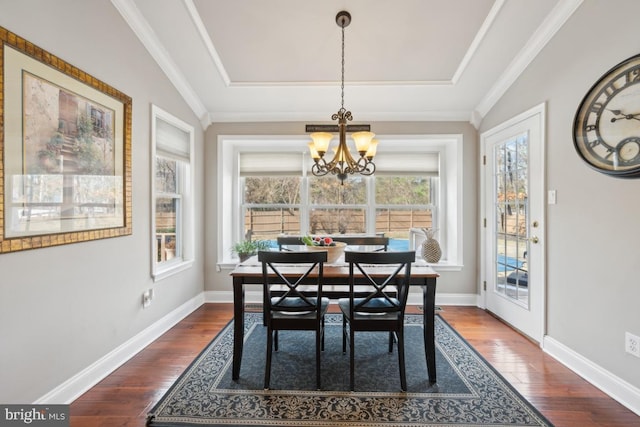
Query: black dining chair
(386, 274)
(287, 307)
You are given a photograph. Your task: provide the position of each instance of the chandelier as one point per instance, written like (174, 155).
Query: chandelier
(343, 163)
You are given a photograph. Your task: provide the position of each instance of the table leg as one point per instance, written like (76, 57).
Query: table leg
(238, 326)
(429, 304)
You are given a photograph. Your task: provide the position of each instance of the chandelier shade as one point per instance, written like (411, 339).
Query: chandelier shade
(343, 162)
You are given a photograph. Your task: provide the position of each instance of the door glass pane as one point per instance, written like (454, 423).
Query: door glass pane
(510, 213)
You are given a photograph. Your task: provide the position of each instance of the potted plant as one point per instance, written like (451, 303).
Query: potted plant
(248, 248)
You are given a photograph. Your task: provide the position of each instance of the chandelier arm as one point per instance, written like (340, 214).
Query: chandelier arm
(366, 167)
(319, 169)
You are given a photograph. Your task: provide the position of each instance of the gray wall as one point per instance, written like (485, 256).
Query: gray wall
(458, 282)
(593, 232)
(63, 308)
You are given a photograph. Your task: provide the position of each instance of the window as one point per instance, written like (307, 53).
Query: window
(172, 207)
(416, 185)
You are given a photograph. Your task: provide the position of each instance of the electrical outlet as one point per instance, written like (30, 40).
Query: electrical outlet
(147, 297)
(632, 344)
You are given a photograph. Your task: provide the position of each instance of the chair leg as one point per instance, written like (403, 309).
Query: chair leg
(319, 344)
(322, 332)
(390, 342)
(276, 340)
(267, 367)
(403, 374)
(344, 334)
(352, 359)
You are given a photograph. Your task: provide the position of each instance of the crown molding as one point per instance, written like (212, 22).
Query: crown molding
(150, 41)
(480, 35)
(206, 39)
(545, 32)
(347, 84)
(289, 116)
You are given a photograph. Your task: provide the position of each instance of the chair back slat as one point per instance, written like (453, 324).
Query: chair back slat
(292, 299)
(389, 292)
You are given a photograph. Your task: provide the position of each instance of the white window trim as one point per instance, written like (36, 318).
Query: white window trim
(450, 196)
(186, 235)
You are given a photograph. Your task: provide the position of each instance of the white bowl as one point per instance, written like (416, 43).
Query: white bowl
(333, 252)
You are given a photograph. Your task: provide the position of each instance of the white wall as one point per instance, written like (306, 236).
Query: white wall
(593, 233)
(63, 308)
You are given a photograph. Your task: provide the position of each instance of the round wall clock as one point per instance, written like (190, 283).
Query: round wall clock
(606, 129)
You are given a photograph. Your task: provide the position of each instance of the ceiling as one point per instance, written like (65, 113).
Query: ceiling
(405, 60)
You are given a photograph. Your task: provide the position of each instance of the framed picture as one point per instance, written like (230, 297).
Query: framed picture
(65, 142)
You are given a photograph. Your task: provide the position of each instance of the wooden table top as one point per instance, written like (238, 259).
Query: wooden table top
(252, 267)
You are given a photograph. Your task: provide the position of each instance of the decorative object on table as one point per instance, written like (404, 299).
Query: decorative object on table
(606, 128)
(333, 248)
(247, 248)
(343, 162)
(470, 389)
(65, 151)
(431, 251)
(376, 243)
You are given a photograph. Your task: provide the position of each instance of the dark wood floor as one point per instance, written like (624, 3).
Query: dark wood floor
(125, 396)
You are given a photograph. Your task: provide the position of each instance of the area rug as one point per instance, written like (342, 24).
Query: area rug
(469, 392)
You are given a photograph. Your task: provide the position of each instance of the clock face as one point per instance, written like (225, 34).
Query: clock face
(606, 129)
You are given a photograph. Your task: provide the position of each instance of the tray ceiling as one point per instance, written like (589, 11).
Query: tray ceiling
(279, 60)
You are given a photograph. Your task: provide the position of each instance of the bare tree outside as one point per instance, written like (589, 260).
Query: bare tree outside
(272, 205)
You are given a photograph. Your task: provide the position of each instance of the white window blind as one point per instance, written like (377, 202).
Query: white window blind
(171, 141)
(423, 164)
(252, 164)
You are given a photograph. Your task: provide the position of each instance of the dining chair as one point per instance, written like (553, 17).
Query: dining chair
(289, 308)
(386, 274)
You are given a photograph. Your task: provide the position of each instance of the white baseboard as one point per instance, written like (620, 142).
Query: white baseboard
(75, 386)
(615, 387)
(415, 298)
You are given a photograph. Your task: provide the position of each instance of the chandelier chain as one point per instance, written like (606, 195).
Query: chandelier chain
(342, 84)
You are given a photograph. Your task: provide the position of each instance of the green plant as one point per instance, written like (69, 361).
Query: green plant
(250, 247)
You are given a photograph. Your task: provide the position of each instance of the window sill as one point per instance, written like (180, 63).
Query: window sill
(170, 269)
(440, 266)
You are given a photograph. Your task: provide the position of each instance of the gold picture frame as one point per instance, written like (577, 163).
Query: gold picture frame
(65, 147)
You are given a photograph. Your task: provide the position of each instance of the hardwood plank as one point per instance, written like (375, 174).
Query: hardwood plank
(124, 397)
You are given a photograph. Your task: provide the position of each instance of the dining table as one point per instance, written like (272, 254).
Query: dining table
(335, 285)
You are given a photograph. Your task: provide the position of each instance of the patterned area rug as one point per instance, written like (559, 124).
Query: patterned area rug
(469, 392)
